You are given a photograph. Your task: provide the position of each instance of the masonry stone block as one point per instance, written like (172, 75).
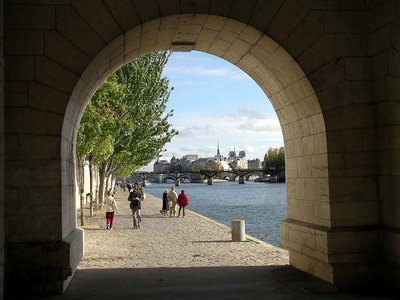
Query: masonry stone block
(355, 213)
(23, 42)
(242, 9)
(391, 245)
(234, 58)
(11, 150)
(284, 21)
(391, 156)
(202, 46)
(19, 68)
(147, 10)
(102, 63)
(52, 74)
(16, 93)
(46, 147)
(304, 170)
(381, 14)
(393, 87)
(393, 57)
(357, 68)
(37, 200)
(59, 49)
(320, 143)
(343, 21)
(263, 13)
(124, 13)
(351, 45)
(389, 192)
(250, 35)
(102, 21)
(351, 242)
(169, 7)
(249, 63)
(132, 39)
(24, 16)
(77, 31)
(322, 211)
(391, 137)
(327, 75)
(380, 40)
(31, 121)
(219, 47)
(306, 33)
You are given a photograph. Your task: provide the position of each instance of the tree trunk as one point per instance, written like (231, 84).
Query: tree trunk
(91, 185)
(102, 177)
(81, 183)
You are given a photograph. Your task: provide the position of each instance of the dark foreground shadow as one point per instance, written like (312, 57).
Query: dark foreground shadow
(269, 282)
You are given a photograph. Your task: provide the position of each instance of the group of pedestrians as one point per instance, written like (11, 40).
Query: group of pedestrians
(171, 200)
(136, 195)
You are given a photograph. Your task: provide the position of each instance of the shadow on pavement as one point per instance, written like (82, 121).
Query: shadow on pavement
(268, 282)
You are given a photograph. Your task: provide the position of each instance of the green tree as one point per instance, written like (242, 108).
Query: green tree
(125, 126)
(274, 162)
(98, 129)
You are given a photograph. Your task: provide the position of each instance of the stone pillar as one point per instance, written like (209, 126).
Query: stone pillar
(1, 152)
(241, 180)
(177, 182)
(209, 181)
(238, 231)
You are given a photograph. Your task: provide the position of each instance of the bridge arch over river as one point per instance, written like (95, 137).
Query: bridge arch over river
(330, 69)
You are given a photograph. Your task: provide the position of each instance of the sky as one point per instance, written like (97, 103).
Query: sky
(216, 102)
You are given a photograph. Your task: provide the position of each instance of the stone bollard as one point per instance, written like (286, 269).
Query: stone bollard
(238, 231)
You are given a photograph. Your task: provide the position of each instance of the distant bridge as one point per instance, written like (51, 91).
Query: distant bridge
(243, 176)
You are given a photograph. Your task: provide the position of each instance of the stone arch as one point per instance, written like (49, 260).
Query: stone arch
(349, 56)
(274, 70)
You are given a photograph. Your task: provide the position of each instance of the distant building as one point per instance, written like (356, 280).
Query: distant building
(191, 157)
(242, 153)
(255, 164)
(232, 155)
(161, 166)
(199, 164)
(242, 163)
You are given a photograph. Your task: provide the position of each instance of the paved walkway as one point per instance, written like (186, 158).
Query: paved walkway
(185, 258)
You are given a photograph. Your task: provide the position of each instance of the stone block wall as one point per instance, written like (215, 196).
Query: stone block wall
(384, 49)
(330, 69)
(1, 150)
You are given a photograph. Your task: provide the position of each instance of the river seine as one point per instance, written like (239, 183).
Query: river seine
(262, 205)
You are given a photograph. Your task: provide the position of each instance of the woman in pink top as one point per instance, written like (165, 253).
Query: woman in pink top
(111, 207)
(183, 201)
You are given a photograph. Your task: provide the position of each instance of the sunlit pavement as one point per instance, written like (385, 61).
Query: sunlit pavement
(190, 258)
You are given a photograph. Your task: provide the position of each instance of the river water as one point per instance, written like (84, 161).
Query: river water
(262, 205)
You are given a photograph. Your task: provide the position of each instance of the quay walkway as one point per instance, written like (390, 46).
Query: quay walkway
(185, 258)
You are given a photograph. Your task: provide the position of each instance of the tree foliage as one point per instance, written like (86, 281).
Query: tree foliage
(125, 124)
(274, 161)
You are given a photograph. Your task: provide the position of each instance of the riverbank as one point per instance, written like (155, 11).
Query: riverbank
(193, 241)
(190, 258)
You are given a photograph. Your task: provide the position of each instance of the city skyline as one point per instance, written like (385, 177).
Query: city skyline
(216, 102)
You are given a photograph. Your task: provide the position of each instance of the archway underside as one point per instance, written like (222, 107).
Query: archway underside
(280, 78)
(322, 232)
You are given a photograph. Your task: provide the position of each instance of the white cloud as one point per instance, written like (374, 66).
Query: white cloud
(222, 73)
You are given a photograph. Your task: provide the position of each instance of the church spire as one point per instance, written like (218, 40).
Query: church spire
(218, 149)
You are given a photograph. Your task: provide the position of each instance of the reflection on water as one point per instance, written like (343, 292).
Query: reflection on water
(261, 205)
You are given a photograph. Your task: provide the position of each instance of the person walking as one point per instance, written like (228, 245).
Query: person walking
(165, 204)
(135, 206)
(183, 201)
(172, 197)
(110, 207)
